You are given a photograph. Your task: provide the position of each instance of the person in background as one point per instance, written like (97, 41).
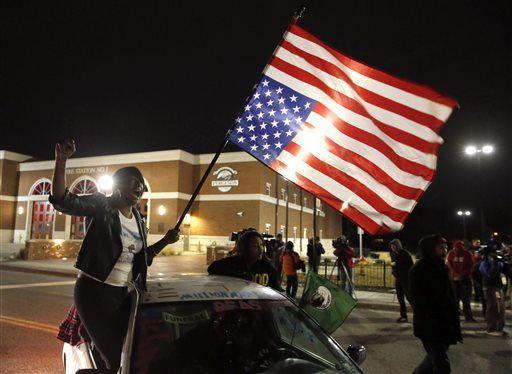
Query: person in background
(113, 257)
(247, 263)
(460, 262)
(401, 264)
(436, 315)
(491, 269)
(277, 251)
(290, 261)
(315, 252)
(345, 255)
(476, 275)
(474, 248)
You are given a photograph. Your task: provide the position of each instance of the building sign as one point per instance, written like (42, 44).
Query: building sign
(99, 169)
(225, 179)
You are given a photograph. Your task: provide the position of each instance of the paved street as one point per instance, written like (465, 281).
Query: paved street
(32, 305)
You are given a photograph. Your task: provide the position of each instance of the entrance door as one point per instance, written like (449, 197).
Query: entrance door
(42, 220)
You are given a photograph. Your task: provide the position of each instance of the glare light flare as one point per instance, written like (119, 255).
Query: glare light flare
(106, 183)
(311, 141)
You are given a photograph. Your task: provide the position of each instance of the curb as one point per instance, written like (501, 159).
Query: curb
(58, 273)
(366, 305)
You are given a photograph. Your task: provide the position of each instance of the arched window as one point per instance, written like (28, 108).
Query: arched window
(42, 211)
(83, 186)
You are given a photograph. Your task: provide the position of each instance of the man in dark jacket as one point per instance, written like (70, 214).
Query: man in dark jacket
(315, 252)
(401, 263)
(436, 316)
(247, 263)
(491, 269)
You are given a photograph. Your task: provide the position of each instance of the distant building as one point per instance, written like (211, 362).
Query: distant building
(240, 192)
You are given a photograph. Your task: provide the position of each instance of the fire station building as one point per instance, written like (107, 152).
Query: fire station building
(240, 192)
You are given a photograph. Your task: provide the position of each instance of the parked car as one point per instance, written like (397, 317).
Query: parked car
(214, 324)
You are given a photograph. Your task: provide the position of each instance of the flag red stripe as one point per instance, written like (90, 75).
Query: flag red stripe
(375, 142)
(376, 172)
(368, 96)
(356, 107)
(350, 212)
(371, 72)
(352, 184)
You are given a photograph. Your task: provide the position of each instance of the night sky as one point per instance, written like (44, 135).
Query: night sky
(124, 77)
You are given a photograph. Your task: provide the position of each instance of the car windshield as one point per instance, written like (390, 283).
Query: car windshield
(232, 336)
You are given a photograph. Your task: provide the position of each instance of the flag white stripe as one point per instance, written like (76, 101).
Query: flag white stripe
(361, 122)
(367, 152)
(395, 201)
(411, 100)
(338, 190)
(383, 115)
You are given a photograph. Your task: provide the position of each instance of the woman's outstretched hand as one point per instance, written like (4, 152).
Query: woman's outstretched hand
(64, 149)
(172, 236)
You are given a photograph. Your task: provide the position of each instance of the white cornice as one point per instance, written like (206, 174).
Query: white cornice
(141, 157)
(13, 156)
(206, 158)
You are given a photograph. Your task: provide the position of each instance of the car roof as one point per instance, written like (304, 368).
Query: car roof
(197, 287)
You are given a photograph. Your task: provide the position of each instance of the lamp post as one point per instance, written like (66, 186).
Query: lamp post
(477, 152)
(464, 214)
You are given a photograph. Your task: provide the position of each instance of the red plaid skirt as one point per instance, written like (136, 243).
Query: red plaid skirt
(71, 330)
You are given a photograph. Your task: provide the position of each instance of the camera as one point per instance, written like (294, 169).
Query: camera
(339, 242)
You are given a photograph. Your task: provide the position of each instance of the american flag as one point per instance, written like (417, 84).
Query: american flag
(360, 140)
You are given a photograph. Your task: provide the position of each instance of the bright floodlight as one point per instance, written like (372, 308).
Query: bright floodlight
(470, 150)
(460, 213)
(467, 213)
(106, 183)
(487, 149)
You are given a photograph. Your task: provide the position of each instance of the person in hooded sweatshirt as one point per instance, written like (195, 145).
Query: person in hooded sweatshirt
(436, 316)
(401, 264)
(460, 262)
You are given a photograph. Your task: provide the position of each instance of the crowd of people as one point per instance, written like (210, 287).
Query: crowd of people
(439, 282)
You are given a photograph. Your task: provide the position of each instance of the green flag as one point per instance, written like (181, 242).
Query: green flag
(326, 302)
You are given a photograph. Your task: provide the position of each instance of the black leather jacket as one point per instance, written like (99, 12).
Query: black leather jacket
(102, 244)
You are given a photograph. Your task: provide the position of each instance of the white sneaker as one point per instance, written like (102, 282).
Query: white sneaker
(496, 333)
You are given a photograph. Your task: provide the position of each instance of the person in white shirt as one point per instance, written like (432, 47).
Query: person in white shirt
(113, 257)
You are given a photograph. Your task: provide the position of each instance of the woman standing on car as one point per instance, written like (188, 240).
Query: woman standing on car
(113, 254)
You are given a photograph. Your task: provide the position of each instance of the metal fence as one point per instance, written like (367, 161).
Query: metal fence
(366, 275)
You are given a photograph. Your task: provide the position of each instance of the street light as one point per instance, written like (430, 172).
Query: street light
(477, 150)
(464, 214)
(472, 150)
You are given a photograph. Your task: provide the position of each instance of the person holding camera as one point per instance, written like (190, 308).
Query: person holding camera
(291, 262)
(491, 268)
(113, 256)
(401, 263)
(345, 255)
(248, 263)
(460, 262)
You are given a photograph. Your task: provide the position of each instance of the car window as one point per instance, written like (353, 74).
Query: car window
(242, 336)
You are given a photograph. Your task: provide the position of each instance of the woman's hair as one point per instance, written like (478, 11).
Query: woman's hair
(244, 240)
(128, 172)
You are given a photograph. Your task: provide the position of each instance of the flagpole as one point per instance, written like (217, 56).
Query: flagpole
(287, 206)
(296, 15)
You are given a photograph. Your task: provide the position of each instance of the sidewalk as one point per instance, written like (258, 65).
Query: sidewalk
(196, 263)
